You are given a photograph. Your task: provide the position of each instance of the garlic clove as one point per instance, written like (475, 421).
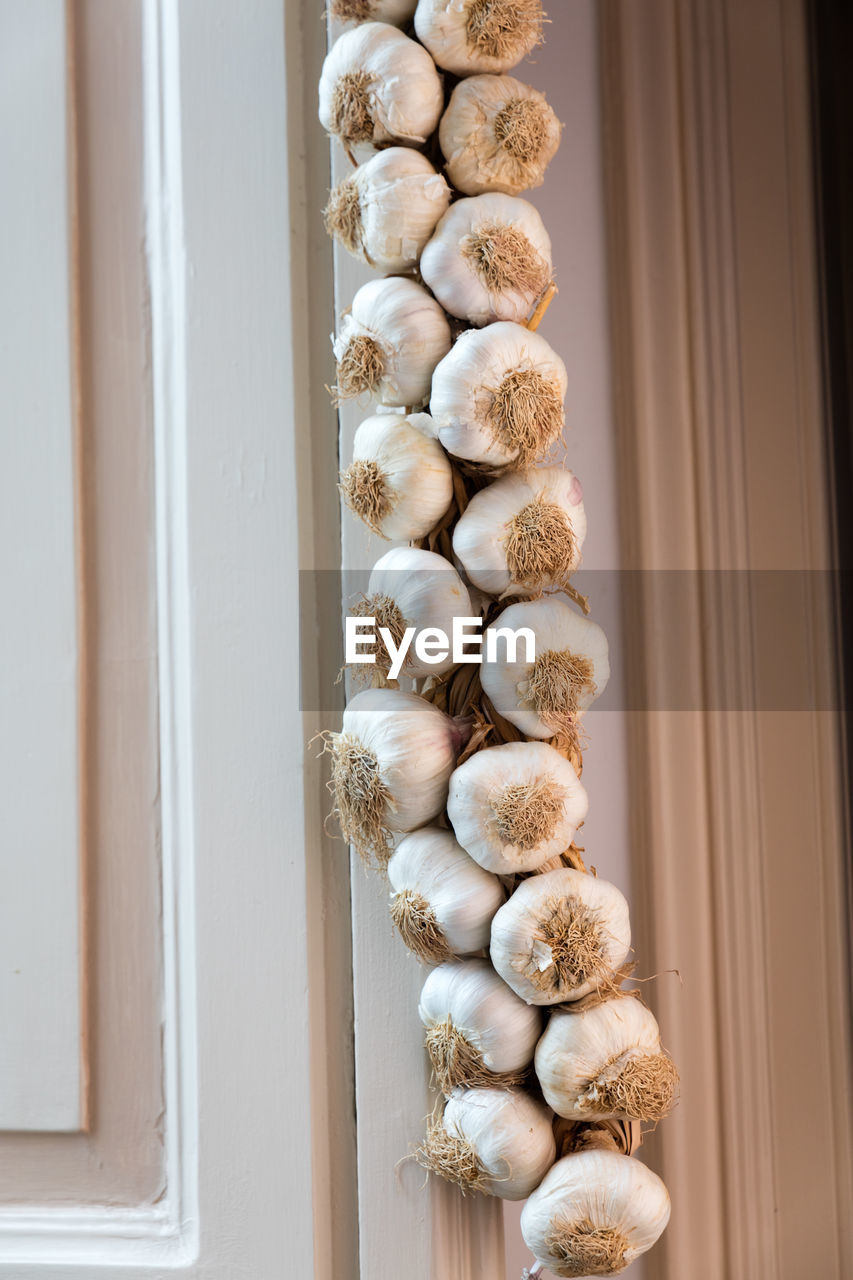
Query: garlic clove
(410, 588)
(391, 763)
(397, 12)
(497, 397)
(390, 342)
(497, 134)
(387, 209)
(524, 533)
(466, 36)
(478, 1033)
(516, 806)
(442, 903)
(489, 259)
(594, 1213)
(497, 1141)
(560, 936)
(606, 1062)
(378, 86)
(549, 696)
(399, 481)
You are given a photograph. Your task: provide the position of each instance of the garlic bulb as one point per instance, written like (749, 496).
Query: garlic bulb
(606, 1062)
(560, 936)
(442, 903)
(397, 12)
(390, 342)
(524, 533)
(379, 86)
(489, 259)
(497, 134)
(498, 1141)
(515, 806)
(399, 481)
(478, 1032)
(549, 696)
(479, 35)
(390, 767)
(412, 590)
(497, 397)
(594, 1213)
(388, 208)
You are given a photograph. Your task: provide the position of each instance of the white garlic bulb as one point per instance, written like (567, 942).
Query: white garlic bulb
(594, 1213)
(412, 590)
(442, 903)
(397, 12)
(465, 36)
(498, 1141)
(547, 697)
(478, 1031)
(561, 935)
(489, 259)
(391, 763)
(497, 397)
(399, 481)
(606, 1062)
(523, 534)
(389, 343)
(387, 209)
(378, 86)
(516, 806)
(497, 134)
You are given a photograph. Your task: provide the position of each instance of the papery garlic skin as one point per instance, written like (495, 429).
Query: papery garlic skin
(489, 259)
(591, 1204)
(507, 1132)
(380, 87)
(486, 805)
(387, 209)
(500, 1027)
(458, 33)
(397, 12)
(560, 936)
(506, 526)
(581, 1053)
(472, 394)
(423, 590)
(497, 134)
(562, 636)
(461, 896)
(399, 481)
(391, 764)
(407, 333)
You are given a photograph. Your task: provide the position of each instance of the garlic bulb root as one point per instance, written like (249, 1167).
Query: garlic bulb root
(417, 924)
(527, 813)
(497, 398)
(397, 12)
(466, 36)
(386, 612)
(498, 1141)
(562, 934)
(557, 682)
(400, 481)
(442, 902)
(497, 134)
(456, 1061)
(362, 798)
(605, 1061)
(391, 763)
(594, 1213)
(360, 368)
(489, 259)
(386, 211)
(478, 1032)
(540, 544)
(525, 414)
(378, 86)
